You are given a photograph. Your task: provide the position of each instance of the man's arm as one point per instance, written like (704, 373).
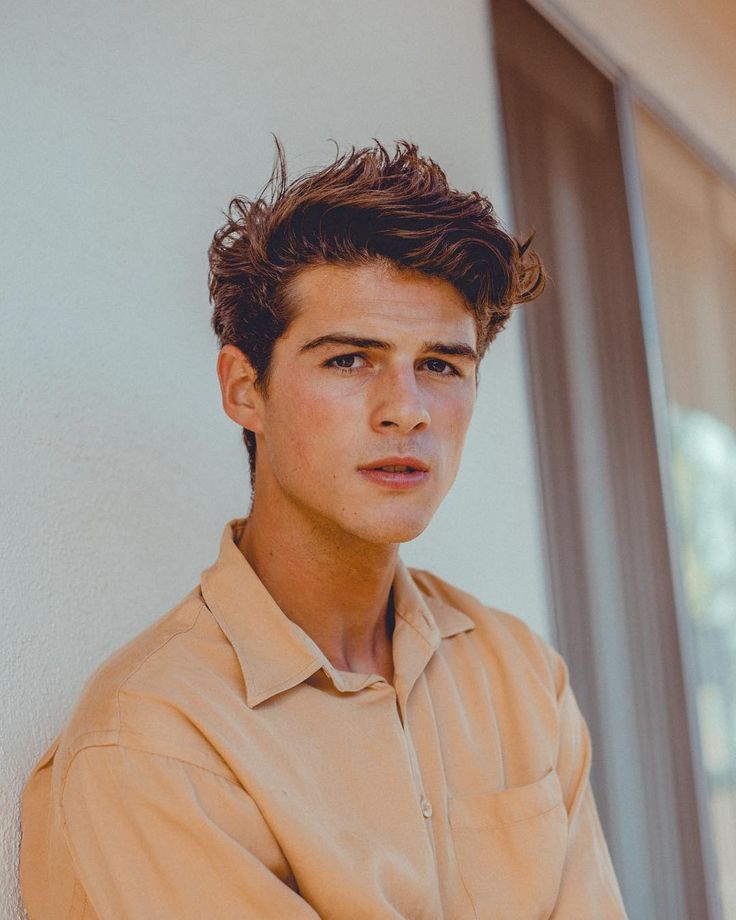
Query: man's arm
(154, 836)
(589, 886)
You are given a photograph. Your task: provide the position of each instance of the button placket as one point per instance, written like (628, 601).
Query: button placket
(424, 803)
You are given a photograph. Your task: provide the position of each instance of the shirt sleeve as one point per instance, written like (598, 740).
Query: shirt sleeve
(154, 836)
(589, 887)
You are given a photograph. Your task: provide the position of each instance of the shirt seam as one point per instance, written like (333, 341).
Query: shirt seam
(541, 814)
(126, 747)
(416, 628)
(287, 683)
(153, 651)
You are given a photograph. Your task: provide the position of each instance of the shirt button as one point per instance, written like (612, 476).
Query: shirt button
(426, 808)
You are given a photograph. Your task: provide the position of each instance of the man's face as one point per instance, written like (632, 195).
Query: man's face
(334, 408)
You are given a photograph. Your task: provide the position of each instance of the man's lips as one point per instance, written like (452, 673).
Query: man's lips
(412, 463)
(404, 480)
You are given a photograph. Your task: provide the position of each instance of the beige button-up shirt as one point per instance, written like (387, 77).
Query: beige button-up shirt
(218, 767)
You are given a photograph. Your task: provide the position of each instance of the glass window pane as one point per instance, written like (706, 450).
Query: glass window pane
(691, 218)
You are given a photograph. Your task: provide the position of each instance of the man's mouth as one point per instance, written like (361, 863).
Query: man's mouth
(398, 465)
(396, 477)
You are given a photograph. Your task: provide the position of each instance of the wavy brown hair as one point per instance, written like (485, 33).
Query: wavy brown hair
(369, 204)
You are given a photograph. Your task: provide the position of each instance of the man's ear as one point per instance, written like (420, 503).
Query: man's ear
(240, 399)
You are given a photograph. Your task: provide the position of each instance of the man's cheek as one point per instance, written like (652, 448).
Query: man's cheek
(314, 441)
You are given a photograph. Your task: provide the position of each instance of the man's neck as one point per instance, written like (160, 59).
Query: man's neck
(332, 584)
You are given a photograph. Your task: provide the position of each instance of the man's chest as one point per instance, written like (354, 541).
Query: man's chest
(439, 807)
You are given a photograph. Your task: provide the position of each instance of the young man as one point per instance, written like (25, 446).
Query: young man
(316, 730)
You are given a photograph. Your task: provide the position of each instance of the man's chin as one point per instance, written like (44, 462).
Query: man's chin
(393, 530)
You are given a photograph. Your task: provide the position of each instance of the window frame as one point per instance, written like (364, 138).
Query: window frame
(647, 775)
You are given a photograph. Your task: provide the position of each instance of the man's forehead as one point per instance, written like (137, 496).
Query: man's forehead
(365, 300)
(375, 277)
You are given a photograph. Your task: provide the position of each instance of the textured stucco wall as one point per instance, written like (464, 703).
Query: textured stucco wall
(129, 127)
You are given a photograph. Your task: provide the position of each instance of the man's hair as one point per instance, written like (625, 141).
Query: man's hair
(368, 205)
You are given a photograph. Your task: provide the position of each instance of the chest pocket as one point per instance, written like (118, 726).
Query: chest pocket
(510, 848)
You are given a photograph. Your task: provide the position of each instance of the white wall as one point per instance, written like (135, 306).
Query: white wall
(130, 126)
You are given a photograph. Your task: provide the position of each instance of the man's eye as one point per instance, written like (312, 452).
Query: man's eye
(346, 364)
(445, 368)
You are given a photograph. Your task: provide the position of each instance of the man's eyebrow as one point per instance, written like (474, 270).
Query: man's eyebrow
(456, 349)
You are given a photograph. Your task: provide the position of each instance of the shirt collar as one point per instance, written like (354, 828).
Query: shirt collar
(275, 654)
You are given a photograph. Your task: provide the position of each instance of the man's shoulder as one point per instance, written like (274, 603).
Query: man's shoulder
(505, 635)
(147, 693)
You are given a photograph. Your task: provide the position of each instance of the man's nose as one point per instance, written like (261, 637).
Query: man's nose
(400, 402)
